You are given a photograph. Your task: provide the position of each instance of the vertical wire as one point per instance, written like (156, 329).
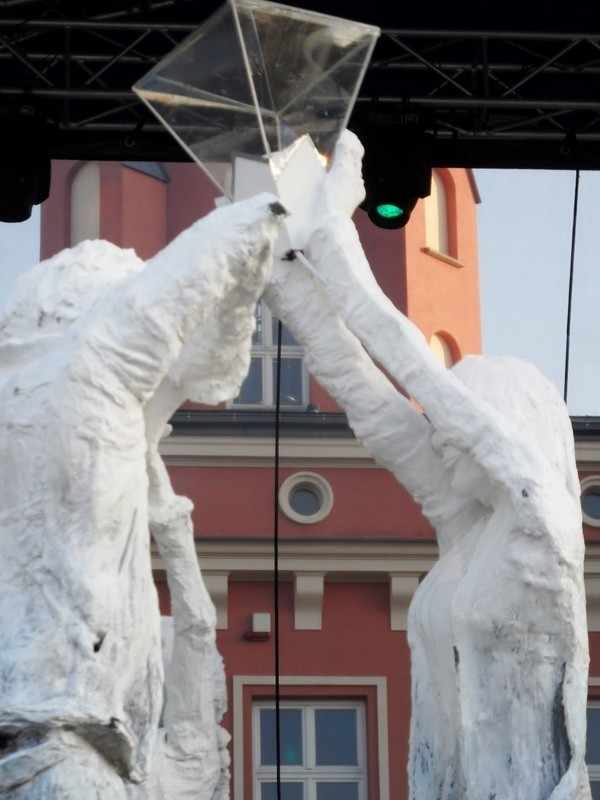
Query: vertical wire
(276, 561)
(570, 294)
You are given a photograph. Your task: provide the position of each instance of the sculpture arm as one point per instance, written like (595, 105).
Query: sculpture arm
(191, 760)
(140, 328)
(386, 423)
(336, 256)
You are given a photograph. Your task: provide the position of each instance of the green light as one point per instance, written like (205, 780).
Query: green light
(389, 211)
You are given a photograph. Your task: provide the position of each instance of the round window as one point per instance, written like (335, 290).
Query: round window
(305, 500)
(590, 500)
(305, 497)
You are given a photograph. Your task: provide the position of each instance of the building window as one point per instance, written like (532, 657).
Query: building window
(590, 500)
(441, 349)
(305, 497)
(85, 203)
(592, 753)
(436, 217)
(258, 390)
(323, 750)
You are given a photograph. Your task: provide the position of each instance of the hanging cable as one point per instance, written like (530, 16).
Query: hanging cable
(570, 295)
(276, 562)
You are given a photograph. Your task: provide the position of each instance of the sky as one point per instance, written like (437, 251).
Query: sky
(524, 226)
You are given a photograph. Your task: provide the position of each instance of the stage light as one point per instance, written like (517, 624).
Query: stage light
(396, 166)
(24, 158)
(389, 210)
(387, 207)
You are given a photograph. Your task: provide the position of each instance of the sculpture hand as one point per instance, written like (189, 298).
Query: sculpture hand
(343, 188)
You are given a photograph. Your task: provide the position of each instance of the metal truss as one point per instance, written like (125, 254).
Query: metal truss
(488, 98)
(484, 87)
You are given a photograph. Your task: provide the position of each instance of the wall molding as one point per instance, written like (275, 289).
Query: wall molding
(311, 564)
(258, 451)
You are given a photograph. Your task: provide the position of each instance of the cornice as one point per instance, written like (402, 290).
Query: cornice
(253, 558)
(300, 451)
(259, 451)
(310, 564)
(587, 454)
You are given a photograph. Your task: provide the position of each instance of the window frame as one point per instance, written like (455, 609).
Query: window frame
(309, 773)
(589, 484)
(248, 689)
(593, 769)
(313, 482)
(265, 350)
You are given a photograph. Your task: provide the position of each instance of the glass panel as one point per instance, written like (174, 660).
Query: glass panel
(305, 502)
(336, 736)
(251, 392)
(255, 77)
(595, 785)
(287, 340)
(590, 502)
(291, 737)
(291, 381)
(209, 109)
(337, 791)
(592, 753)
(317, 107)
(314, 64)
(289, 791)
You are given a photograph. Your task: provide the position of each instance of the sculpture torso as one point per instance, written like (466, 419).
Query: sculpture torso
(75, 553)
(492, 655)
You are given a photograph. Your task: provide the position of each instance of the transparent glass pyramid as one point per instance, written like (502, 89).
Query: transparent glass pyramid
(255, 77)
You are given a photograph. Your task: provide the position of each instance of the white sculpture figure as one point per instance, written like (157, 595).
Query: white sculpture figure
(498, 627)
(96, 351)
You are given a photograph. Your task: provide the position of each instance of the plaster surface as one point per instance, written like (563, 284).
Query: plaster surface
(97, 350)
(497, 629)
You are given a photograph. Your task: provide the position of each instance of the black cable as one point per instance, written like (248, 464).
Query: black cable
(276, 562)
(570, 295)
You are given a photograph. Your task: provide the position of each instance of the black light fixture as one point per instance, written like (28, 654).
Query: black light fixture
(24, 158)
(396, 166)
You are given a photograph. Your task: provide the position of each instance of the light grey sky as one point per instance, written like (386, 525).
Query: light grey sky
(19, 250)
(525, 223)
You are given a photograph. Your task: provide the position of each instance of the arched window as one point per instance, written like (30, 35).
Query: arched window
(85, 203)
(441, 349)
(436, 216)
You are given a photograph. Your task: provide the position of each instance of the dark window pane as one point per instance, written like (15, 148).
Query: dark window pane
(305, 501)
(287, 340)
(291, 736)
(595, 790)
(336, 736)
(590, 502)
(291, 381)
(289, 791)
(337, 791)
(251, 392)
(592, 753)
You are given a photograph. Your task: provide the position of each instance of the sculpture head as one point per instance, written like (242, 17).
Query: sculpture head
(57, 292)
(526, 398)
(53, 295)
